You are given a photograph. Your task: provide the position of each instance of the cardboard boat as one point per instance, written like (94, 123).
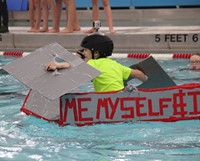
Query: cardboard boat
(129, 105)
(158, 99)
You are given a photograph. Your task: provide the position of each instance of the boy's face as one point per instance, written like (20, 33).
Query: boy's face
(195, 62)
(87, 53)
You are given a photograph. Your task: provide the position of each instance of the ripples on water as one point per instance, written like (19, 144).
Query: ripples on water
(24, 137)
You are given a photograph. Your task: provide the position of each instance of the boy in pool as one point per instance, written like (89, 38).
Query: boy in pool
(195, 62)
(96, 50)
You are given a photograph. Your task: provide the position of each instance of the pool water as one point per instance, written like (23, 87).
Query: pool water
(25, 137)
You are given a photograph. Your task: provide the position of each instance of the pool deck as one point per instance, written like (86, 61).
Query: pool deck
(131, 36)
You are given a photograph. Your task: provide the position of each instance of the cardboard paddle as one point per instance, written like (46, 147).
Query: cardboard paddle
(157, 77)
(30, 70)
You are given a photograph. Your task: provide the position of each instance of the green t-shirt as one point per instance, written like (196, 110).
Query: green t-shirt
(112, 77)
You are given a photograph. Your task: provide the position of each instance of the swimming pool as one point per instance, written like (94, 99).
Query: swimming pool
(24, 137)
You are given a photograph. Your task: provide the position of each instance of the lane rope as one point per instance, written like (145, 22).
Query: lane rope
(118, 55)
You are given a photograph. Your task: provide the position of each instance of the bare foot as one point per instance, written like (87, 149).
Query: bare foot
(53, 30)
(90, 31)
(31, 30)
(78, 28)
(66, 30)
(44, 30)
(36, 30)
(112, 32)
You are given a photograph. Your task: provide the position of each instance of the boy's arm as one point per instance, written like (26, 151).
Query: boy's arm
(138, 74)
(55, 65)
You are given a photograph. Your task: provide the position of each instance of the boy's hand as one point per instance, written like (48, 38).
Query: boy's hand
(51, 66)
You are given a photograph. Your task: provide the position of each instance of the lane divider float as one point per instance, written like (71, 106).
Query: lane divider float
(118, 55)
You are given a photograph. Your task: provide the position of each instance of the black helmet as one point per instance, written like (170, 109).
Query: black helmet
(101, 43)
